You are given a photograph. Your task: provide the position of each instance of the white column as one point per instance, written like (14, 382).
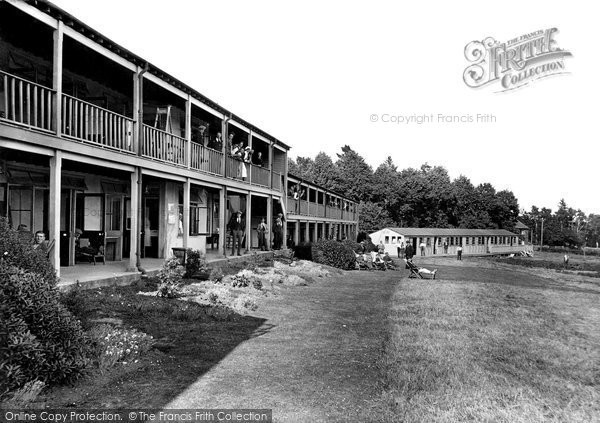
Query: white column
(284, 197)
(316, 232)
(137, 121)
(248, 164)
(222, 222)
(186, 212)
(133, 222)
(271, 165)
(297, 232)
(54, 209)
(188, 133)
(57, 76)
(270, 221)
(248, 222)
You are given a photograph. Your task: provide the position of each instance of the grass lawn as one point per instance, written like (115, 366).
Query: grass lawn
(485, 344)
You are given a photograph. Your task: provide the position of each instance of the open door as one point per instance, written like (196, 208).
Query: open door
(113, 238)
(151, 226)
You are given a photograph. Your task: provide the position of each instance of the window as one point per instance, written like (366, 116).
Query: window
(387, 239)
(467, 240)
(393, 240)
(451, 240)
(21, 207)
(439, 242)
(113, 214)
(199, 215)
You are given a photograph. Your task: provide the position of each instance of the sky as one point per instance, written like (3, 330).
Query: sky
(320, 75)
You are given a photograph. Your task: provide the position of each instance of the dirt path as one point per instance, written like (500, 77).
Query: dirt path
(315, 359)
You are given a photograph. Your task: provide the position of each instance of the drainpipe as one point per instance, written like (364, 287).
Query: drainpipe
(140, 136)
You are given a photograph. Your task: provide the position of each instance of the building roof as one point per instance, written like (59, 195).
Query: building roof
(521, 225)
(410, 232)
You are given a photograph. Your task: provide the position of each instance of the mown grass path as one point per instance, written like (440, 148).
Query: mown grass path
(313, 359)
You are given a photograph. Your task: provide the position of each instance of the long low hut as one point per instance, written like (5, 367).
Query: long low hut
(445, 241)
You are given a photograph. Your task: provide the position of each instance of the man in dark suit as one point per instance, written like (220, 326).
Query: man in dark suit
(409, 252)
(237, 225)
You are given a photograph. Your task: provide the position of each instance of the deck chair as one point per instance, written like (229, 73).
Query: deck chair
(416, 272)
(361, 263)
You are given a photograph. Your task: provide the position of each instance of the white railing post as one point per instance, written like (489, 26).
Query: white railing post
(57, 71)
(188, 131)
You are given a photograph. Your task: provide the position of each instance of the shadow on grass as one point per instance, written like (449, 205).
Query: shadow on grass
(190, 340)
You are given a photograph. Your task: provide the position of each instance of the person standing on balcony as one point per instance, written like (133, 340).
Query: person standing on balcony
(203, 135)
(217, 143)
(262, 235)
(237, 227)
(259, 159)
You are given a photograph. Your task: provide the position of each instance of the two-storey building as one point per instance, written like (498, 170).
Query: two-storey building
(104, 151)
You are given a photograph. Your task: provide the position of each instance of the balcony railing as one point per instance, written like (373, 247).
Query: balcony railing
(26, 103)
(260, 176)
(277, 181)
(87, 122)
(161, 145)
(320, 210)
(206, 159)
(236, 169)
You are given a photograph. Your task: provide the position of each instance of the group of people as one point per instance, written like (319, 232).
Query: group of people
(236, 150)
(237, 227)
(379, 259)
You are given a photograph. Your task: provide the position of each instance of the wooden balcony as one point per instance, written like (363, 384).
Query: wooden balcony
(277, 181)
(260, 176)
(34, 106)
(163, 146)
(89, 123)
(236, 169)
(306, 208)
(26, 103)
(206, 160)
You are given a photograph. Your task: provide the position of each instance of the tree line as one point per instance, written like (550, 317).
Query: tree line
(427, 197)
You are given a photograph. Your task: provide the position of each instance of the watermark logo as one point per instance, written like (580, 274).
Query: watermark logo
(516, 62)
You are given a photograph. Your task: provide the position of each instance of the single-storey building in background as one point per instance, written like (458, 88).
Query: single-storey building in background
(524, 231)
(444, 241)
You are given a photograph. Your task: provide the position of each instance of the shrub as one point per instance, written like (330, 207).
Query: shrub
(242, 279)
(41, 340)
(303, 251)
(218, 294)
(195, 261)
(216, 275)
(354, 246)
(244, 302)
(17, 251)
(170, 276)
(116, 344)
(334, 253)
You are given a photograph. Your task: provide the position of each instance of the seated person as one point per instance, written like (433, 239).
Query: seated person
(40, 243)
(427, 271)
(388, 260)
(410, 265)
